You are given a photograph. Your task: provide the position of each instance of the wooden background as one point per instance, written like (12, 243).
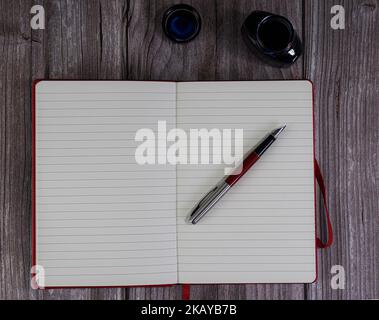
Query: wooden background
(122, 39)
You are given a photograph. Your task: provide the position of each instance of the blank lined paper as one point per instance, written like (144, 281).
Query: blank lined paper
(263, 230)
(102, 219)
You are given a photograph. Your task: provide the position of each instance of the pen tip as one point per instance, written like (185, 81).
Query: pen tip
(278, 131)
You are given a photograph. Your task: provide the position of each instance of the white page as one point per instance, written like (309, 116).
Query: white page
(263, 230)
(102, 219)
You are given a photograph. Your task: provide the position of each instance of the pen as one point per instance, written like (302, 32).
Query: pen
(213, 196)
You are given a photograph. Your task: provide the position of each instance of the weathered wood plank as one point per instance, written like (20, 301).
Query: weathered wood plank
(343, 65)
(83, 40)
(234, 60)
(15, 152)
(152, 56)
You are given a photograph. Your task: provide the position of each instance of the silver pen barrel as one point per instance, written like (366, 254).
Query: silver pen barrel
(208, 202)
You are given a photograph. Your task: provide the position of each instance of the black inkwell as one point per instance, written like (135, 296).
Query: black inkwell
(181, 23)
(272, 38)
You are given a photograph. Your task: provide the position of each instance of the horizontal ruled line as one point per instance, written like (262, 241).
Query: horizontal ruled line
(106, 179)
(180, 216)
(249, 271)
(178, 110)
(255, 208)
(125, 187)
(123, 202)
(249, 232)
(107, 234)
(106, 124)
(240, 91)
(100, 171)
(108, 227)
(109, 275)
(126, 202)
(168, 241)
(167, 225)
(173, 92)
(239, 123)
(101, 211)
(108, 100)
(106, 242)
(186, 263)
(132, 139)
(162, 148)
(255, 216)
(244, 200)
(246, 248)
(158, 194)
(247, 99)
(134, 131)
(134, 162)
(166, 186)
(110, 266)
(251, 263)
(258, 224)
(231, 240)
(181, 168)
(179, 107)
(160, 115)
(108, 195)
(247, 255)
(254, 192)
(112, 92)
(105, 108)
(106, 250)
(118, 258)
(107, 219)
(166, 233)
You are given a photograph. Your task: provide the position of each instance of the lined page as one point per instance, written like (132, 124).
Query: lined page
(263, 230)
(102, 219)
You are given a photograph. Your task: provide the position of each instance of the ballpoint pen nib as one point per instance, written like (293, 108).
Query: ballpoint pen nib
(278, 131)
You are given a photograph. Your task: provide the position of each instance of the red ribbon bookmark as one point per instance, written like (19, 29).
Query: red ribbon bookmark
(320, 181)
(185, 291)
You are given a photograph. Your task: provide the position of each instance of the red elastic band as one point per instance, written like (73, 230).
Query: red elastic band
(320, 181)
(185, 291)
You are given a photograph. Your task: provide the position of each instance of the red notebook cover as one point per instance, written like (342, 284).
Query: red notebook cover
(318, 178)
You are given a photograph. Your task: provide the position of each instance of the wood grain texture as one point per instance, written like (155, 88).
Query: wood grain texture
(15, 152)
(123, 39)
(343, 64)
(152, 56)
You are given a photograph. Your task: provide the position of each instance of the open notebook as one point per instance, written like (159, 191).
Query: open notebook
(100, 219)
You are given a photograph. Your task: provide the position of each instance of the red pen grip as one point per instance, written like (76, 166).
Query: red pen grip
(246, 165)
